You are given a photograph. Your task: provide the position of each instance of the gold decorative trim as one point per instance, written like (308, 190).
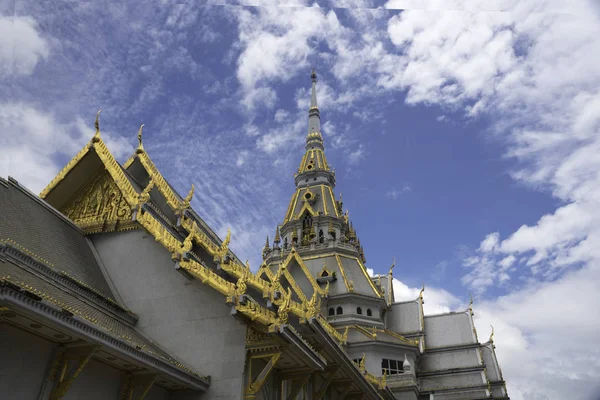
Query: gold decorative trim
(162, 185)
(324, 199)
(364, 271)
(66, 169)
(343, 272)
(335, 210)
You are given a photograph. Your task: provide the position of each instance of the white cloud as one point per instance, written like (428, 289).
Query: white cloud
(356, 155)
(281, 115)
(394, 194)
(21, 46)
(435, 300)
(241, 158)
(546, 336)
(31, 140)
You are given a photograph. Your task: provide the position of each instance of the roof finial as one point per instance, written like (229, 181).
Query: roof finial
(491, 339)
(189, 196)
(314, 118)
(422, 290)
(471, 302)
(140, 148)
(393, 265)
(97, 126)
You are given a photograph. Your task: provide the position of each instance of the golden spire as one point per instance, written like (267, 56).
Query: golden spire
(140, 148)
(277, 237)
(97, 126)
(393, 264)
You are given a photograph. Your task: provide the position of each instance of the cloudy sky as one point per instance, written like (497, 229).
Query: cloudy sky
(465, 136)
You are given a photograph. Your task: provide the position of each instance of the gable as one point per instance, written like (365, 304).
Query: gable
(99, 206)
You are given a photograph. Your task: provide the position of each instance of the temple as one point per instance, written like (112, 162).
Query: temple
(113, 287)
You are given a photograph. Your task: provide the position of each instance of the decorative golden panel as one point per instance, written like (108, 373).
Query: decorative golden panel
(99, 206)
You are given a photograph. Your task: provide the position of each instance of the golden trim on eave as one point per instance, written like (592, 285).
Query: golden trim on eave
(67, 168)
(162, 185)
(364, 271)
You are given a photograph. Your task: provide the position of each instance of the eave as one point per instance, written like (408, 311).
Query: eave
(15, 299)
(341, 358)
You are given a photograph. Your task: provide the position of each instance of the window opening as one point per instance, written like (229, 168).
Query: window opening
(359, 310)
(369, 313)
(339, 311)
(391, 367)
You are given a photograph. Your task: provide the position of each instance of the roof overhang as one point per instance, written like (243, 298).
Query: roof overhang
(341, 358)
(76, 326)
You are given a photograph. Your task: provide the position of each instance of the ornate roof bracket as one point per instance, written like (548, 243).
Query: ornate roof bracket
(65, 376)
(139, 383)
(254, 386)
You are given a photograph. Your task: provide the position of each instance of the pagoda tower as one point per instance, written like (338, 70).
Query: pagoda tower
(320, 231)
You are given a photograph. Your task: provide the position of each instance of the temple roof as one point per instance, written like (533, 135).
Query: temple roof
(45, 254)
(31, 224)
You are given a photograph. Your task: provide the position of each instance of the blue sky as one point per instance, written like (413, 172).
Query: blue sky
(464, 136)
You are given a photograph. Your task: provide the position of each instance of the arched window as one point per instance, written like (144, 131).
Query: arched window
(359, 310)
(369, 313)
(331, 311)
(321, 236)
(339, 311)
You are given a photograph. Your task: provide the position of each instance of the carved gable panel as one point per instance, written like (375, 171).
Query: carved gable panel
(99, 206)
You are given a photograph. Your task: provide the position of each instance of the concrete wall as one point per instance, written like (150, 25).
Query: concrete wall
(457, 380)
(448, 330)
(97, 381)
(374, 354)
(23, 361)
(404, 317)
(185, 317)
(449, 360)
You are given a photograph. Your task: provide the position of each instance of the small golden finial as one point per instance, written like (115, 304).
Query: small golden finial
(247, 265)
(422, 290)
(140, 148)
(470, 301)
(145, 195)
(190, 194)
(345, 335)
(187, 243)
(326, 291)
(491, 339)
(393, 265)
(97, 126)
(361, 364)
